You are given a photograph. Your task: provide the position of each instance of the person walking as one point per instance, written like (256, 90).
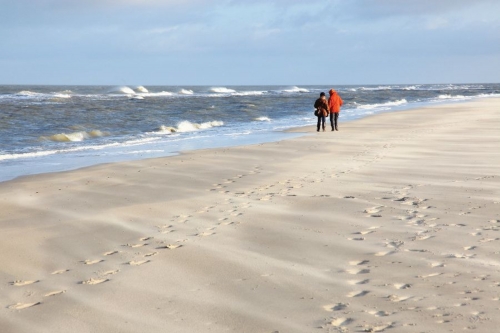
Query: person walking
(322, 110)
(334, 104)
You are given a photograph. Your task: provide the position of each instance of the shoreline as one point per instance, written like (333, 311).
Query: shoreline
(390, 223)
(269, 137)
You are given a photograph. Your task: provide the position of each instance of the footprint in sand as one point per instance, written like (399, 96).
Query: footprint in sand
(372, 210)
(93, 281)
(55, 293)
(357, 282)
(226, 223)
(20, 283)
(205, 234)
(357, 293)
(377, 327)
(364, 232)
(92, 262)
(170, 246)
(335, 307)
(423, 237)
(399, 299)
(470, 248)
(143, 239)
(357, 271)
(110, 253)
(487, 240)
(340, 322)
(356, 239)
(150, 254)
(21, 306)
(138, 263)
(429, 275)
(358, 262)
(61, 271)
(135, 245)
(461, 256)
(111, 272)
(379, 313)
(402, 285)
(437, 264)
(395, 244)
(384, 253)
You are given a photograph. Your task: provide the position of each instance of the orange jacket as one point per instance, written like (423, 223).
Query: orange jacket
(334, 102)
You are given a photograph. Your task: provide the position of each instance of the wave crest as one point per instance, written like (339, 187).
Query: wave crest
(141, 89)
(296, 89)
(222, 90)
(382, 105)
(263, 119)
(75, 136)
(122, 90)
(187, 126)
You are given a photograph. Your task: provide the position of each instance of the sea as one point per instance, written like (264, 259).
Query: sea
(59, 128)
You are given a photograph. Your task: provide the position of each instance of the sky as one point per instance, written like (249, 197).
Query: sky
(249, 42)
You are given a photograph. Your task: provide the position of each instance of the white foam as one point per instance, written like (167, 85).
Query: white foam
(28, 93)
(296, 89)
(75, 136)
(137, 97)
(122, 90)
(59, 95)
(186, 92)
(222, 90)
(383, 105)
(158, 94)
(248, 93)
(186, 126)
(452, 97)
(376, 88)
(263, 119)
(141, 89)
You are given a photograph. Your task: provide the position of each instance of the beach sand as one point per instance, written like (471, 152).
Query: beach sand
(391, 224)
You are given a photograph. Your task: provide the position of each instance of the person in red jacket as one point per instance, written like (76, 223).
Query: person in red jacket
(334, 104)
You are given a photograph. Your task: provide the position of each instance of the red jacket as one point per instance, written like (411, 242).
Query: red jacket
(334, 102)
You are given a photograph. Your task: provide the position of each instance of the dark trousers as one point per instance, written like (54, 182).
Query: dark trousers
(321, 121)
(333, 120)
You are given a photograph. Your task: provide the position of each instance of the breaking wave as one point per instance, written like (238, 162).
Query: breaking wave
(122, 90)
(382, 105)
(222, 90)
(141, 89)
(186, 92)
(296, 89)
(263, 119)
(187, 126)
(75, 136)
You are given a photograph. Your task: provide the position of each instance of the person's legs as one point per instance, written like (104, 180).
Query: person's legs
(336, 121)
(323, 119)
(319, 122)
(331, 120)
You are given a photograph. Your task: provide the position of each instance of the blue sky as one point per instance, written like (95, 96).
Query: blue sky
(247, 42)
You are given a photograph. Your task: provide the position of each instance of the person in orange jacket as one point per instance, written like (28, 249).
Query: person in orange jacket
(334, 104)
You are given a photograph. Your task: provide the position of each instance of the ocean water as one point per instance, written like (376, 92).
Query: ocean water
(56, 128)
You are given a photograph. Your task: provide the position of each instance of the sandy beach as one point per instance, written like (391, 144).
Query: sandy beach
(390, 224)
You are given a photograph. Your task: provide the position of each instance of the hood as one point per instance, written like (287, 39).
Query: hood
(332, 92)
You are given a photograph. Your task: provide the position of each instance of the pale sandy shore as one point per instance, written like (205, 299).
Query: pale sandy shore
(391, 224)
